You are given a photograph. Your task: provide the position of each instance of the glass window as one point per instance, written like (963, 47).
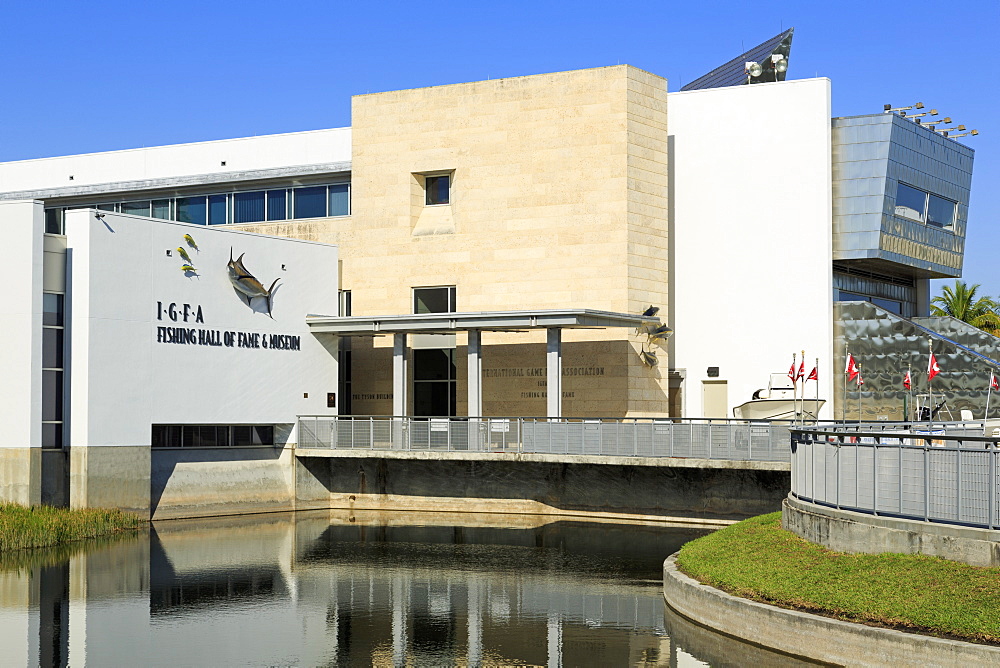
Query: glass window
(253, 435)
(248, 207)
(139, 208)
(52, 348)
(433, 364)
(110, 206)
(310, 202)
(276, 205)
(217, 210)
(54, 221)
(940, 211)
(890, 305)
(438, 189)
(910, 202)
(161, 209)
(52, 309)
(192, 210)
(434, 300)
(52, 395)
(340, 200)
(52, 434)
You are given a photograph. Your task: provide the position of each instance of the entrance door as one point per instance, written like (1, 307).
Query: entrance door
(715, 398)
(434, 384)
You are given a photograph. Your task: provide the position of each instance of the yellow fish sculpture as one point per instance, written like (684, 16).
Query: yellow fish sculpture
(190, 241)
(246, 284)
(184, 254)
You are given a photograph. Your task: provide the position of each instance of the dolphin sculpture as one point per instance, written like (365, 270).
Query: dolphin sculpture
(246, 284)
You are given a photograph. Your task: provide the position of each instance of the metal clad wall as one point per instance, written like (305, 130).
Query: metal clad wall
(871, 155)
(883, 344)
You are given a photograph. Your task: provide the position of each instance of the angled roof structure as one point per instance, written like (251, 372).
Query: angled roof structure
(734, 72)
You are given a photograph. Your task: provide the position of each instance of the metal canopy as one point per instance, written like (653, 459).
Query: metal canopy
(733, 72)
(490, 321)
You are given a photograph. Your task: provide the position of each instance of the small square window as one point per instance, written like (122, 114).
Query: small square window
(438, 189)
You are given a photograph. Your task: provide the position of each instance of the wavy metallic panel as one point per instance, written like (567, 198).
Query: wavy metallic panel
(886, 345)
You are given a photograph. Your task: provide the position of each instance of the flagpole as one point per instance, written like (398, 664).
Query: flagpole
(930, 391)
(989, 391)
(860, 380)
(909, 392)
(816, 416)
(801, 375)
(847, 356)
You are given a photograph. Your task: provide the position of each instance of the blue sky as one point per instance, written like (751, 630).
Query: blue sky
(82, 77)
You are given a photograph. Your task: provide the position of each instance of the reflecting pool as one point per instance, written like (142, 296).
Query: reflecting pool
(324, 588)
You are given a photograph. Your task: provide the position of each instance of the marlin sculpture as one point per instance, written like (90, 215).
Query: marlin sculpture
(246, 284)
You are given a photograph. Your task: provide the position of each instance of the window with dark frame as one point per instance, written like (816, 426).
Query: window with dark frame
(438, 189)
(52, 369)
(434, 300)
(211, 435)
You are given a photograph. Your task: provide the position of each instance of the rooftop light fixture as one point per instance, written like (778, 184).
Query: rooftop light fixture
(964, 134)
(932, 112)
(931, 124)
(779, 62)
(753, 70)
(957, 128)
(890, 109)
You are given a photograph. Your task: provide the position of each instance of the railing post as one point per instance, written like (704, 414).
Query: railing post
(958, 482)
(875, 476)
(836, 454)
(927, 479)
(992, 503)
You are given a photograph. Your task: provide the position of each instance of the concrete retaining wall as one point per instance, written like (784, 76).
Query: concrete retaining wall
(811, 636)
(705, 494)
(846, 531)
(197, 482)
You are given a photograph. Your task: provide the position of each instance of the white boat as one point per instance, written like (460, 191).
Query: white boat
(778, 402)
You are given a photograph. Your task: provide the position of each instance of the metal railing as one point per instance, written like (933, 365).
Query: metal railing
(738, 440)
(939, 473)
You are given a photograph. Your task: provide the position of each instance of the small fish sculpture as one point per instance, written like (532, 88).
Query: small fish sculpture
(184, 254)
(187, 267)
(651, 311)
(649, 358)
(190, 241)
(246, 283)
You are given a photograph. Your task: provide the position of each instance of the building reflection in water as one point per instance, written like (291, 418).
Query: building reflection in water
(324, 588)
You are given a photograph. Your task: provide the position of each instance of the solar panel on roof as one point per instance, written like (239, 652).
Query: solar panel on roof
(734, 72)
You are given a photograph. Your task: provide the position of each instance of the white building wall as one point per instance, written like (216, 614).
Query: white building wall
(123, 379)
(752, 213)
(179, 160)
(21, 350)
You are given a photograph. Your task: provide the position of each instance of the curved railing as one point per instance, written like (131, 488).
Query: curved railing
(940, 473)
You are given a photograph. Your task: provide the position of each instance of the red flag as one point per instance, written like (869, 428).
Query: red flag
(813, 375)
(932, 368)
(993, 382)
(861, 381)
(791, 372)
(852, 368)
(907, 381)
(802, 371)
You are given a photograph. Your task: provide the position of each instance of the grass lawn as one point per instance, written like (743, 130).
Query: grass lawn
(759, 560)
(40, 526)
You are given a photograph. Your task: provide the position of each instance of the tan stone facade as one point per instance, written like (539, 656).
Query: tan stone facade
(558, 200)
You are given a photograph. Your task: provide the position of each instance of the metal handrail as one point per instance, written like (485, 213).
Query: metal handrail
(736, 440)
(930, 476)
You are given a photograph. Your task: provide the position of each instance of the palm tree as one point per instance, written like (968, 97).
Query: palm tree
(960, 302)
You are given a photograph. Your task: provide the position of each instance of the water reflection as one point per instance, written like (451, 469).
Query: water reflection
(325, 588)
